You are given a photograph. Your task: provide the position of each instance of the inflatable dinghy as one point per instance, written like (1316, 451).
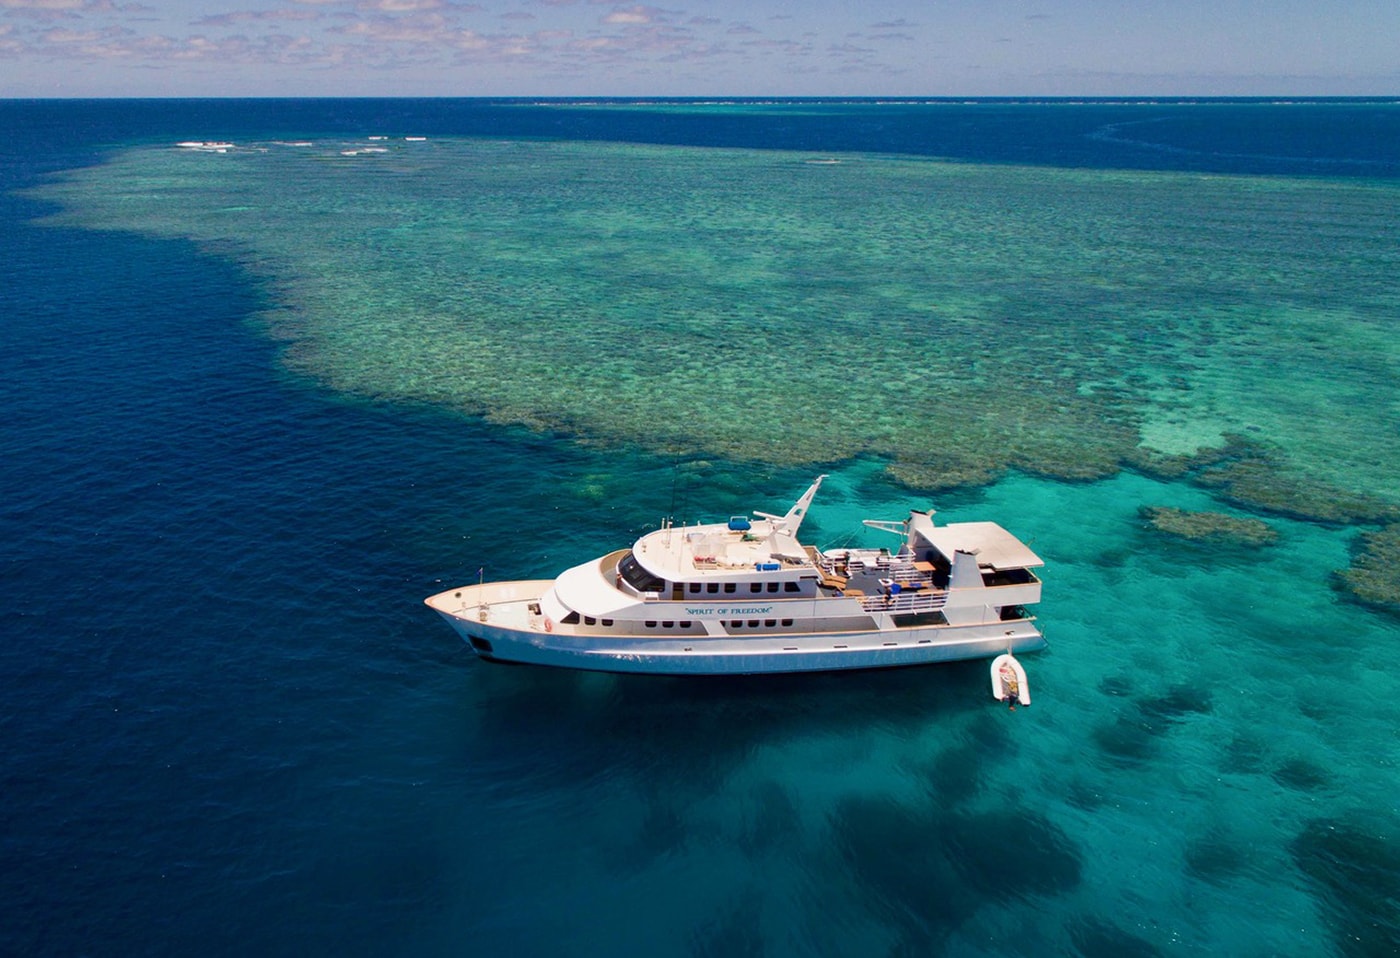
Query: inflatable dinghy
(1009, 680)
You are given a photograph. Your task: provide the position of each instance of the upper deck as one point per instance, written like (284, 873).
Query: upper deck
(715, 550)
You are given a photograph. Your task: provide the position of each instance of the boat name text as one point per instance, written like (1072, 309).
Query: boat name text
(736, 610)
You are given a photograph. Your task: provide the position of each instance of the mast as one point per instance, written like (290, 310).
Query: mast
(793, 520)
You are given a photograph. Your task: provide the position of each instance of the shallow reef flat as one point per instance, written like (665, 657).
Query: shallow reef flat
(955, 320)
(1211, 527)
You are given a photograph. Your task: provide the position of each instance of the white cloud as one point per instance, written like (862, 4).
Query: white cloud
(399, 6)
(637, 14)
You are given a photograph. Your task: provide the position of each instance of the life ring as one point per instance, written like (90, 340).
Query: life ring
(548, 625)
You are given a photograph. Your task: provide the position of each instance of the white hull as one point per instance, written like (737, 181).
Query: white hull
(508, 632)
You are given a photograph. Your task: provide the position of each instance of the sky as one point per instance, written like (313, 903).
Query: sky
(67, 48)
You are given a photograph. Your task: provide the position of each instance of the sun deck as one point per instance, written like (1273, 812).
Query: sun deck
(679, 552)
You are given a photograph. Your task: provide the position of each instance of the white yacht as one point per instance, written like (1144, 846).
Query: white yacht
(745, 596)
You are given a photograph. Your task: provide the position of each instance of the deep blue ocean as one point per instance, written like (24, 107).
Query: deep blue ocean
(231, 727)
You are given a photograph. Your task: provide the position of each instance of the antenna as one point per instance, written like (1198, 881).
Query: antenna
(680, 489)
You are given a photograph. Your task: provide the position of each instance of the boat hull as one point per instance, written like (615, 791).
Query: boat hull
(496, 621)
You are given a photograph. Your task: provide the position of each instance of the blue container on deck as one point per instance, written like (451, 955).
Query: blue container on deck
(767, 566)
(739, 524)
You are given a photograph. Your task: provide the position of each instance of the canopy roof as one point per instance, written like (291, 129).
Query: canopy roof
(993, 545)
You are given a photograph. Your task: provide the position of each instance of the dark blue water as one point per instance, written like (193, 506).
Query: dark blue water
(231, 727)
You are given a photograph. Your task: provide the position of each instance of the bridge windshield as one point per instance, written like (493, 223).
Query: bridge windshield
(637, 577)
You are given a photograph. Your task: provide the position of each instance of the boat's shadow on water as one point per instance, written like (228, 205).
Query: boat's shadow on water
(731, 713)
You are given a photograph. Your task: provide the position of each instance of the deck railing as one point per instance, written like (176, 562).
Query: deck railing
(903, 603)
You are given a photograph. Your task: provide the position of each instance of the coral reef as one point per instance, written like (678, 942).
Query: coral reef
(1355, 870)
(957, 321)
(1208, 526)
(1374, 575)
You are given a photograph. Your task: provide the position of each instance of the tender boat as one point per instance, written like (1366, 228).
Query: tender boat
(1009, 681)
(744, 596)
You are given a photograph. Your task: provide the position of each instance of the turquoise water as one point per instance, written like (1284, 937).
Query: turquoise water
(259, 404)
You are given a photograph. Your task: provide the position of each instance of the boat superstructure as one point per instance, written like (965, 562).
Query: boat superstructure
(745, 596)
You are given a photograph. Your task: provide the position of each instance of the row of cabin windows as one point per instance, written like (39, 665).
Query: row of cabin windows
(652, 623)
(754, 587)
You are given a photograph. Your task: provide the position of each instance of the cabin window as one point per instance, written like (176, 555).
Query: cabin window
(736, 624)
(756, 586)
(589, 620)
(791, 587)
(730, 587)
(686, 625)
(608, 622)
(753, 623)
(668, 625)
(711, 586)
(787, 623)
(570, 619)
(695, 587)
(770, 622)
(638, 577)
(651, 623)
(772, 587)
